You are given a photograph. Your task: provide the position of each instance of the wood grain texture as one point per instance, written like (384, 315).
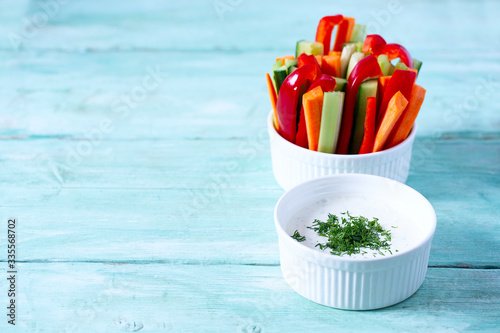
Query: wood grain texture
(160, 220)
(237, 298)
(169, 207)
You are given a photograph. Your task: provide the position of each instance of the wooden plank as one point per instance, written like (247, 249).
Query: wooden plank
(153, 25)
(166, 225)
(176, 208)
(76, 297)
(47, 95)
(163, 164)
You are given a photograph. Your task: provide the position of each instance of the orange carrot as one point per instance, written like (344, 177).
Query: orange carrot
(331, 64)
(291, 57)
(394, 110)
(274, 99)
(319, 59)
(352, 21)
(382, 83)
(404, 125)
(313, 104)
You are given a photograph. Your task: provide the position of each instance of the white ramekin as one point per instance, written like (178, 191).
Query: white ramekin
(293, 164)
(345, 282)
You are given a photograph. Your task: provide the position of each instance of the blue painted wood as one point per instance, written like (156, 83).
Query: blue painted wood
(236, 298)
(163, 221)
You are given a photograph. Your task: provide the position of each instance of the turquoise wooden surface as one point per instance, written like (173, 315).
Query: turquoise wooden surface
(164, 222)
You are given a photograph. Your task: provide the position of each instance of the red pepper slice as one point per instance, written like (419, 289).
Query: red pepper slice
(373, 43)
(327, 83)
(344, 33)
(308, 59)
(325, 29)
(288, 99)
(377, 46)
(394, 51)
(367, 67)
(401, 80)
(369, 133)
(301, 138)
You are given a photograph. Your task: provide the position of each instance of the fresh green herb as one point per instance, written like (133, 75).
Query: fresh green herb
(352, 233)
(296, 235)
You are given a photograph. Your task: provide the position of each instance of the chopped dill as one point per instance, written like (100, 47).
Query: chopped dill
(349, 234)
(296, 235)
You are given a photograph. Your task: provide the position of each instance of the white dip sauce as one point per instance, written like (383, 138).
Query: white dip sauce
(405, 236)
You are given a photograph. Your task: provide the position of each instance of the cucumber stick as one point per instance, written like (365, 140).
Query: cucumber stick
(290, 62)
(347, 52)
(358, 33)
(358, 47)
(331, 116)
(341, 83)
(291, 69)
(399, 65)
(308, 47)
(280, 72)
(280, 75)
(402, 66)
(385, 64)
(291, 65)
(417, 64)
(355, 58)
(366, 89)
(276, 65)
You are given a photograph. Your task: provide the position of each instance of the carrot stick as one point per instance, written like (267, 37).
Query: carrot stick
(319, 59)
(331, 64)
(369, 134)
(351, 27)
(404, 125)
(274, 99)
(313, 104)
(291, 57)
(382, 84)
(394, 110)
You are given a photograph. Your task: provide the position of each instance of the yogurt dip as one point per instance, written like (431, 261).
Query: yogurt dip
(405, 231)
(357, 282)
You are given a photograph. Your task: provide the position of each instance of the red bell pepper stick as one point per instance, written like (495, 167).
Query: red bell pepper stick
(394, 51)
(373, 43)
(308, 59)
(325, 29)
(367, 67)
(401, 80)
(377, 46)
(301, 138)
(288, 99)
(344, 33)
(327, 83)
(369, 134)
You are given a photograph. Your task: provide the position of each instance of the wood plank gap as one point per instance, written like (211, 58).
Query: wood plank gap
(215, 263)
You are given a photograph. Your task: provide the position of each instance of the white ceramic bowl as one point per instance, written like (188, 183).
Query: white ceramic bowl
(293, 164)
(362, 282)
